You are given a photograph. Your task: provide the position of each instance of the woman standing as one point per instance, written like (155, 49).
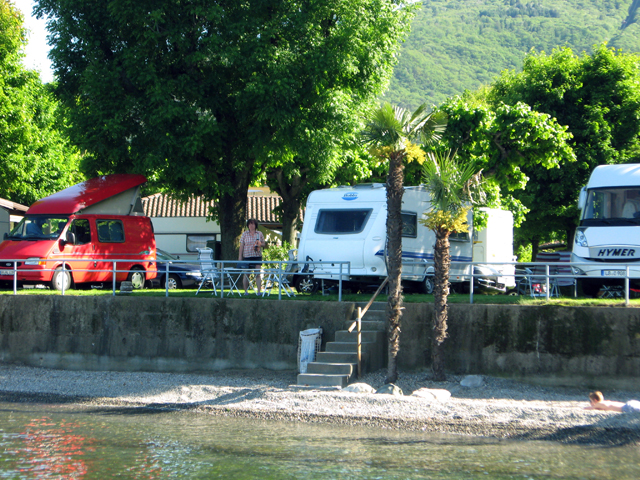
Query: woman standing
(251, 245)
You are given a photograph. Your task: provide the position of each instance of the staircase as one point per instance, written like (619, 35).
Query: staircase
(338, 364)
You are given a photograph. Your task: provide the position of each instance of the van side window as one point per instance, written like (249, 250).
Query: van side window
(82, 230)
(409, 225)
(331, 222)
(110, 231)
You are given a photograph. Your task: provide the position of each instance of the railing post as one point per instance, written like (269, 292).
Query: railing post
(15, 278)
(359, 342)
(64, 273)
(626, 286)
(222, 280)
(279, 281)
(114, 279)
(166, 279)
(471, 286)
(340, 299)
(546, 279)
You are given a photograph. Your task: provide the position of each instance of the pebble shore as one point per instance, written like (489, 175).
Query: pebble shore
(498, 408)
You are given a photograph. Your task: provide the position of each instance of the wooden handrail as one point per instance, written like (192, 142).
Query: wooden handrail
(358, 323)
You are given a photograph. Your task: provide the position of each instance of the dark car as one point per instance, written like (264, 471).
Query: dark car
(181, 275)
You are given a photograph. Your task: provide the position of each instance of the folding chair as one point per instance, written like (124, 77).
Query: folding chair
(208, 269)
(536, 278)
(564, 268)
(277, 278)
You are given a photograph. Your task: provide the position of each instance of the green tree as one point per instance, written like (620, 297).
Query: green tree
(597, 98)
(391, 131)
(503, 141)
(201, 95)
(36, 158)
(453, 187)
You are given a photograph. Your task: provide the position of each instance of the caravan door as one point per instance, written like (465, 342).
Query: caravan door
(339, 234)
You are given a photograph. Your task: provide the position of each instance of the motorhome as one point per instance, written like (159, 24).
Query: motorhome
(607, 239)
(74, 236)
(348, 224)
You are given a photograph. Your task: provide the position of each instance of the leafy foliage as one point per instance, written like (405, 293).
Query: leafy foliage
(457, 45)
(203, 96)
(502, 140)
(36, 157)
(597, 98)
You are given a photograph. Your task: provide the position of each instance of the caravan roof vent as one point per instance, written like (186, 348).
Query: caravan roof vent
(369, 185)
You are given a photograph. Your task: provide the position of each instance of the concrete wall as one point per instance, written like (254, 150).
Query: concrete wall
(159, 334)
(191, 334)
(563, 345)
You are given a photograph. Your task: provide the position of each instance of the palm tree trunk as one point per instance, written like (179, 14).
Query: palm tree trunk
(442, 261)
(395, 190)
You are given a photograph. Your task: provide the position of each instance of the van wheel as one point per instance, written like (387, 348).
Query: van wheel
(137, 278)
(174, 282)
(426, 286)
(61, 277)
(307, 284)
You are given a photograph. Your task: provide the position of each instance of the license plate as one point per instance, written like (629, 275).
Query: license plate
(613, 273)
(6, 272)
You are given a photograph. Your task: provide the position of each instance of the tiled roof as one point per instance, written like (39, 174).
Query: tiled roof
(161, 205)
(258, 206)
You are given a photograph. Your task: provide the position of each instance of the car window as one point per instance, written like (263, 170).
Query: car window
(110, 231)
(160, 255)
(82, 230)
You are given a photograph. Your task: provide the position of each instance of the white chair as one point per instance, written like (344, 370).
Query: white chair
(208, 269)
(564, 268)
(535, 280)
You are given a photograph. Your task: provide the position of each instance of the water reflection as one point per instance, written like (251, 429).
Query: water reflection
(62, 441)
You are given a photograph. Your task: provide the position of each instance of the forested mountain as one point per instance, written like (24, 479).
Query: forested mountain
(462, 44)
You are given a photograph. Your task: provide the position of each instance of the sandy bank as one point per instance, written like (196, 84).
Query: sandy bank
(500, 408)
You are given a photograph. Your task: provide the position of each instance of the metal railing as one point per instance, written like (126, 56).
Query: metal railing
(358, 323)
(223, 268)
(279, 270)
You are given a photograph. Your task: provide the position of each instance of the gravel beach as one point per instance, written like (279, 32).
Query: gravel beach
(497, 408)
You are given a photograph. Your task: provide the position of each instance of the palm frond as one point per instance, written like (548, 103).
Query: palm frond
(451, 185)
(384, 128)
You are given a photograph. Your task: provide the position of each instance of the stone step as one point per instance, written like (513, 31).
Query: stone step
(348, 347)
(339, 357)
(332, 368)
(375, 306)
(367, 336)
(324, 380)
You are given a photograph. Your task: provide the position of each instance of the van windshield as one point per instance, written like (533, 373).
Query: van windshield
(612, 206)
(331, 222)
(39, 227)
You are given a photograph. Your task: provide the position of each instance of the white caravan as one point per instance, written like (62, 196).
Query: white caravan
(608, 237)
(349, 224)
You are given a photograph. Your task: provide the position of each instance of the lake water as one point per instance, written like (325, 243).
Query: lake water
(71, 442)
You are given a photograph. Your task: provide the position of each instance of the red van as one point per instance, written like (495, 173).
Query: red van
(89, 226)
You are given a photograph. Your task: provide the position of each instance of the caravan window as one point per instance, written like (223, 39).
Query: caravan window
(331, 222)
(409, 225)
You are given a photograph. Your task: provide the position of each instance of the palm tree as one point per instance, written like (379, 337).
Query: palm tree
(391, 130)
(453, 189)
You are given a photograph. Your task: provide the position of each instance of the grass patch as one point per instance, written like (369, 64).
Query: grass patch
(346, 297)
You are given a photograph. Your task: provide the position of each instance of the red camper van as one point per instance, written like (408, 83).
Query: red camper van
(88, 226)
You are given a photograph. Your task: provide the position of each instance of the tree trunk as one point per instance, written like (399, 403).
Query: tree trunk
(232, 211)
(290, 190)
(395, 191)
(535, 248)
(442, 263)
